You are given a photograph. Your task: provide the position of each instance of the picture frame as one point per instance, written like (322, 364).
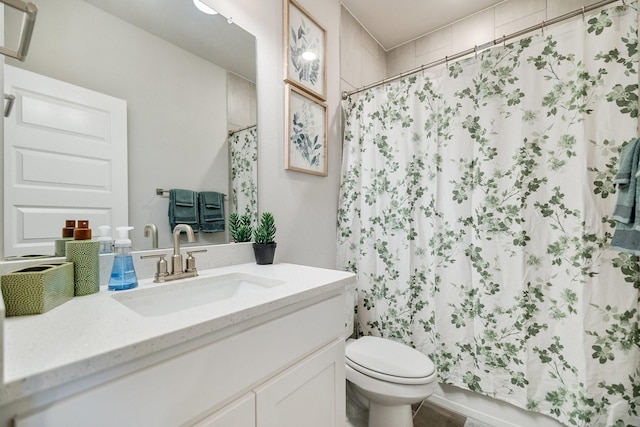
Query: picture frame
(305, 132)
(305, 42)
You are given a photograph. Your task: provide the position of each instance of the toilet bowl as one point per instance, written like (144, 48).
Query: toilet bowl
(389, 377)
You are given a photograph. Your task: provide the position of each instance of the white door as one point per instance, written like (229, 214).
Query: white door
(65, 157)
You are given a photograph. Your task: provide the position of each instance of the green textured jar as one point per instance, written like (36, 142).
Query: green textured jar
(61, 249)
(37, 289)
(85, 256)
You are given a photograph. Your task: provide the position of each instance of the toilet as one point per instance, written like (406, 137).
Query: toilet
(388, 377)
(385, 376)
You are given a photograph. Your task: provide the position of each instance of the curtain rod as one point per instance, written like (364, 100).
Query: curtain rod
(231, 132)
(484, 46)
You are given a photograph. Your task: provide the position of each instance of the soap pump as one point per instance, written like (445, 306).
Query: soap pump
(123, 273)
(105, 239)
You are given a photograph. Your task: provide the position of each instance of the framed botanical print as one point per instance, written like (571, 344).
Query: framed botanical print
(305, 43)
(306, 132)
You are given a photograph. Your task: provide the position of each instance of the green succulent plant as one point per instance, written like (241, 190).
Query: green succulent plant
(265, 232)
(240, 227)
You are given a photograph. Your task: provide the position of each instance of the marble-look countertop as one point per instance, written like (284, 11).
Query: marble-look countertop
(95, 332)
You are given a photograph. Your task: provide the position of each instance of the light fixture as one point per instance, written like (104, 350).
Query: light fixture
(204, 8)
(309, 56)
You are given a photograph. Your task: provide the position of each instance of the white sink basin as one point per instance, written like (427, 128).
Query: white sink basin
(189, 293)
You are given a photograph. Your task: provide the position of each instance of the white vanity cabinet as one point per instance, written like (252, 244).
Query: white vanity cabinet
(241, 413)
(310, 394)
(284, 368)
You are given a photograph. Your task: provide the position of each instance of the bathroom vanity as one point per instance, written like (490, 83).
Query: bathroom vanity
(266, 349)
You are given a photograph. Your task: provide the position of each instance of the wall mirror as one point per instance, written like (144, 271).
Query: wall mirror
(188, 79)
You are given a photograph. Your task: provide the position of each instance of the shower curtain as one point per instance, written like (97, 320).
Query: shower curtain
(475, 210)
(243, 153)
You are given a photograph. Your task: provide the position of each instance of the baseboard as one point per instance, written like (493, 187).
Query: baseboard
(494, 412)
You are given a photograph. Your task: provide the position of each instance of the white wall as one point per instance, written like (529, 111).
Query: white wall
(304, 206)
(365, 62)
(176, 102)
(362, 59)
(241, 102)
(490, 24)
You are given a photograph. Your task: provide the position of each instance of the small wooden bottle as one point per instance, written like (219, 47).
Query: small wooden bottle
(85, 256)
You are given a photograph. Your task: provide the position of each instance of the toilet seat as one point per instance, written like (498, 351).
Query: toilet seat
(389, 361)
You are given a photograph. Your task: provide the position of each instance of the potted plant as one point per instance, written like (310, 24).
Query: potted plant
(264, 234)
(240, 227)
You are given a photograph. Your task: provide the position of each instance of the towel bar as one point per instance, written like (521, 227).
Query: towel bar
(30, 10)
(160, 191)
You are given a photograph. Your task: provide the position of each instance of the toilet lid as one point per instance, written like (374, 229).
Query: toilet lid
(388, 360)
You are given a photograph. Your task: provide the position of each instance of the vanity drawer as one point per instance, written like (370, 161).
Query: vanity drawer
(177, 390)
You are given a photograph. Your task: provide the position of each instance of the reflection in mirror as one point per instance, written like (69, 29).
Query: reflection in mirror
(243, 155)
(187, 79)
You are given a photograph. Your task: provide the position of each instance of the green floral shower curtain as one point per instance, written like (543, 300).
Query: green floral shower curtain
(243, 153)
(475, 210)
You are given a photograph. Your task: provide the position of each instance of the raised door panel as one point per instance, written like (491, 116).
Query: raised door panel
(310, 394)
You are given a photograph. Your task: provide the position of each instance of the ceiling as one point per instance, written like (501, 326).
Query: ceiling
(395, 22)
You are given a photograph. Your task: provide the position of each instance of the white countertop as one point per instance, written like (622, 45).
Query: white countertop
(95, 332)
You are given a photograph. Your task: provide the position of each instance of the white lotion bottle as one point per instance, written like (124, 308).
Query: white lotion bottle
(105, 239)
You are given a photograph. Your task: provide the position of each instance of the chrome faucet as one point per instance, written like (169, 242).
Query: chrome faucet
(177, 271)
(176, 258)
(152, 229)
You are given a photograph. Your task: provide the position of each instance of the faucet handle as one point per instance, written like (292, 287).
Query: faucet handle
(161, 266)
(191, 261)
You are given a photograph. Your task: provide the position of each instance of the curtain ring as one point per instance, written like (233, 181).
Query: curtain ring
(504, 41)
(475, 50)
(582, 13)
(446, 61)
(542, 28)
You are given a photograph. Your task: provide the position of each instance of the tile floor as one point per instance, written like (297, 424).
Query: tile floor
(427, 415)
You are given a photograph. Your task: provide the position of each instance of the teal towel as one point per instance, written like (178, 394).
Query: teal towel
(211, 207)
(625, 179)
(183, 197)
(626, 237)
(183, 208)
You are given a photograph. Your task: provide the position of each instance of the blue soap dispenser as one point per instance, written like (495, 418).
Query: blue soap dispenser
(123, 274)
